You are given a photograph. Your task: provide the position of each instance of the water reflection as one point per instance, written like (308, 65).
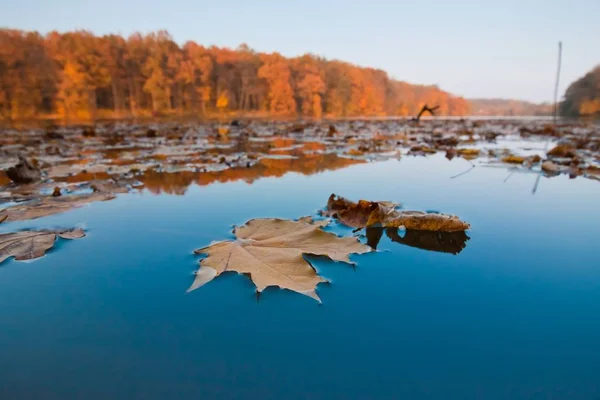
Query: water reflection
(443, 242)
(178, 182)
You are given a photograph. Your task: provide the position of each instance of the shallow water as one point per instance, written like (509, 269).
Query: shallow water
(515, 315)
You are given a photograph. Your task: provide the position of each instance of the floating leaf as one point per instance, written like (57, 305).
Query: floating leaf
(592, 172)
(28, 245)
(422, 150)
(271, 252)
(385, 214)
(423, 221)
(46, 206)
(563, 150)
(550, 167)
(468, 154)
(512, 159)
(359, 214)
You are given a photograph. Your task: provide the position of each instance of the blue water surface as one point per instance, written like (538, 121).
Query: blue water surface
(515, 315)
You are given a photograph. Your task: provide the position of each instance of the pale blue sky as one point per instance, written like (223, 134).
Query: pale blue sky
(468, 47)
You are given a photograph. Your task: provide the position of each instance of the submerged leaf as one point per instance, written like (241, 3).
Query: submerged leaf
(46, 206)
(271, 252)
(28, 245)
(384, 214)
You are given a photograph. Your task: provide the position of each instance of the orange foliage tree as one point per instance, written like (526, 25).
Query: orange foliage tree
(77, 75)
(275, 70)
(582, 97)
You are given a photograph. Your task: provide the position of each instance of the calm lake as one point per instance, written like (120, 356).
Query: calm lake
(514, 315)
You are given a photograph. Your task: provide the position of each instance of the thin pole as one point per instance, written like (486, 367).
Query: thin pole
(557, 81)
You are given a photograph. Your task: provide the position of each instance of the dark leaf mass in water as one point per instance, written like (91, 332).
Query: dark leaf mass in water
(24, 172)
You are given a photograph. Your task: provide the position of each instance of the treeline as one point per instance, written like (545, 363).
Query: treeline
(77, 75)
(509, 107)
(582, 97)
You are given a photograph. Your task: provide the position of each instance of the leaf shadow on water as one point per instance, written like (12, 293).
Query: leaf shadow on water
(273, 292)
(443, 242)
(326, 267)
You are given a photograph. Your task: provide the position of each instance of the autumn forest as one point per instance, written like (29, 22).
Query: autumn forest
(79, 76)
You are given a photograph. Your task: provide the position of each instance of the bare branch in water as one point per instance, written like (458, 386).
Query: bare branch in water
(509, 175)
(537, 183)
(464, 172)
(426, 108)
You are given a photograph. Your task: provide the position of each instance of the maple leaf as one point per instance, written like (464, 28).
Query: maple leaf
(271, 252)
(385, 214)
(28, 245)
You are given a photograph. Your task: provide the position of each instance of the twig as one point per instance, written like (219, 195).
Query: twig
(555, 97)
(509, 175)
(464, 172)
(536, 184)
(557, 82)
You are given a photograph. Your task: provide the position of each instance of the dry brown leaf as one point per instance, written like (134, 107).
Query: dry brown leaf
(109, 187)
(550, 167)
(423, 221)
(28, 245)
(384, 214)
(422, 150)
(512, 159)
(46, 206)
(270, 251)
(592, 172)
(563, 150)
(468, 154)
(529, 161)
(357, 215)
